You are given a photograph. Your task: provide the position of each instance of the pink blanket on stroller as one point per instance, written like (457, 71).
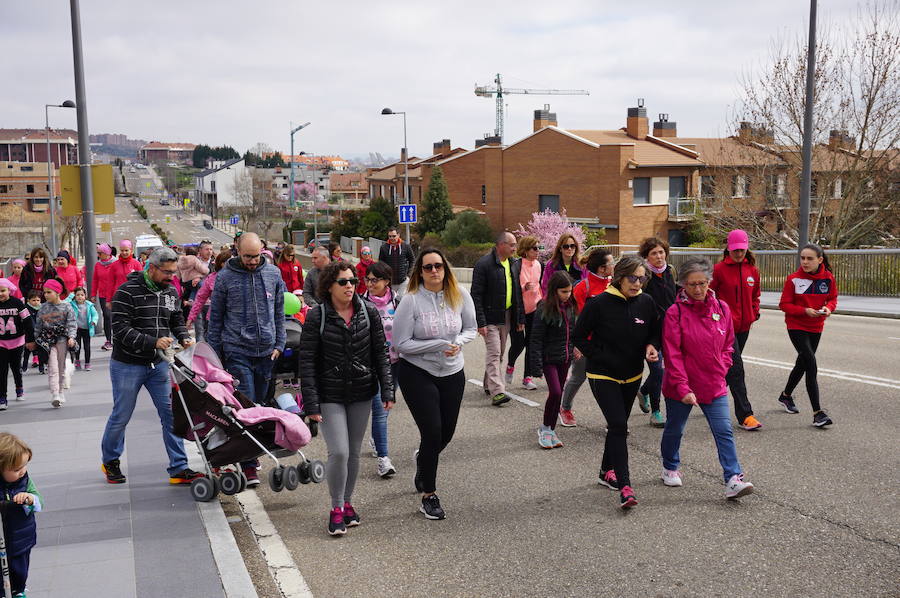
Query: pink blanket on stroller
(290, 431)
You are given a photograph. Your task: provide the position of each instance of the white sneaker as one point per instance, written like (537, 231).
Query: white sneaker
(385, 467)
(509, 376)
(737, 487)
(57, 400)
(528, 383)
(671, 478)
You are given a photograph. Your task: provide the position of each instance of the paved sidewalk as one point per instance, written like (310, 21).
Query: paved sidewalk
(879, 307)
(143, 539)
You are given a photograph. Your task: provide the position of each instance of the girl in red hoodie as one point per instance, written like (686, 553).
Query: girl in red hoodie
(809, 297)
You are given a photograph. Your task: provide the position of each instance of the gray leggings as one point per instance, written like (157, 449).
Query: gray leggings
(576, 379)
(343, 427)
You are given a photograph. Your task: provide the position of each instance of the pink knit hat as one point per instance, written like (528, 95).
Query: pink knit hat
(53, 285)
(104, 248)
(19, 262)
(125, 244)
(4, 282)
(738, 239)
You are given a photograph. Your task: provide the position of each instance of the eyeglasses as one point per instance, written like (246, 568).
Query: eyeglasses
(532, 248)
(372, 280)
(435, 266)
(167, 272)
(289, 254)
(345, 281)
(697, 285)
(637, 279)
(569, 246)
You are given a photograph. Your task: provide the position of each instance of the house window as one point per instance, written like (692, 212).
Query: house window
(708, 186)
(775, 186)
(837, 189)
(548, 202)
(641, 188)
(27, 168)
(29, 188)
(740, 186)
(677, 187)
(484, 195)
(4, 189)
(814, 188)
(212, 186)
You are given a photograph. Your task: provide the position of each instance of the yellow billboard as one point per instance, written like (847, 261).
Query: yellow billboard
(101, 183)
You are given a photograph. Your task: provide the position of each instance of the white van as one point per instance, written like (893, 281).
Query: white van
(146, 243)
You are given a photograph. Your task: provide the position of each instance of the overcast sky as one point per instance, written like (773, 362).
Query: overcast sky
(237, 73)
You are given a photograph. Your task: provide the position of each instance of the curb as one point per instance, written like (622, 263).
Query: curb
(233, 572)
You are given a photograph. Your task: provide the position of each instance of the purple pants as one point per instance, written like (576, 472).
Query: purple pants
(555, 375)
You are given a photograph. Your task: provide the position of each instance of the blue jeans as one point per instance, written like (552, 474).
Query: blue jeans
(127, 380)
(379, 418)
(253, 373)
(719, 420)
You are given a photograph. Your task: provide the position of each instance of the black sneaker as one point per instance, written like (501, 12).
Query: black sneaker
(113, 472)
(626, 498)
(821, 419)
(351, 517)
(431, 507)
(336, 525)
(185, 476)
(608, 479)
(499, 398)
(788, 403)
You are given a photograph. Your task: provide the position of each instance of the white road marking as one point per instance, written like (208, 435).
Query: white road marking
(894, 338)
(849, 376)
(528, 402)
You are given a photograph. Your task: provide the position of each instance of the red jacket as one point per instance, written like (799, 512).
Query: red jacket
(802, 290)
(292, 275)
(101, 280)
(119, 271)
(362, 269)
(589, 287)
(738, 285)
(698, 342)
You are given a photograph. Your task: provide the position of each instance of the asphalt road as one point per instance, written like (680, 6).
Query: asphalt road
(528, 522)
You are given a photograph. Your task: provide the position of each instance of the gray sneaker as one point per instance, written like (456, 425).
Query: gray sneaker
(509, 375)
(385, 467)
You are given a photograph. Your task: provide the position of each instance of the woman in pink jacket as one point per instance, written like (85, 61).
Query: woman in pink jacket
(698, 341)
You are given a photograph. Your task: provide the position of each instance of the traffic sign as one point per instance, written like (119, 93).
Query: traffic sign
(408, 213)
(101, 185)
(233, 220)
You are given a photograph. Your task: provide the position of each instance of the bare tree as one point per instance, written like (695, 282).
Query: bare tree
(257, 202)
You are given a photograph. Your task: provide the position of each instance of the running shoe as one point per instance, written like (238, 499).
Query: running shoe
(644, 402)
(566, 418)
(608, 479)
(77, 364)
(431, 507)
(528, 383)
(113, 472)
(509, 375)
(87, 367)
(57, 400)
(751, 423)
(385, 467)
(336, 525)
(736, 487)
(106, 346)
(351, 517)
(499, 398)
(545, 439)
(657, 420)
(3, 404)
(626, 498)
(821, 419)
(252, 476)
(41, 369)
(185, 476)
(557, 443)
(671, 478)
(788, 403)
(20, 394)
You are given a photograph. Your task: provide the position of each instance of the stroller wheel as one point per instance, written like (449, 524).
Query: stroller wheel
(291, 477)
(230, 481)
(303, 471)
(316, 471)
(204, 489)
(276, 478)
(243, 481)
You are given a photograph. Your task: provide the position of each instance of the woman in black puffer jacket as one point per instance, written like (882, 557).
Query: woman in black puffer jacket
(342, 362)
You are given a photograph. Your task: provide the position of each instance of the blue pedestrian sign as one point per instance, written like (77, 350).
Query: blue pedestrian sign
(408, 213)
(233, 220)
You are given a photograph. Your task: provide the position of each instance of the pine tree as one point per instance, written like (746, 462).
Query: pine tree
(436, 208)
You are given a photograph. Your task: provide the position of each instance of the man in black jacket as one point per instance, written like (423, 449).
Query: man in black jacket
(399, 256)
(146, 314)
(498, 306)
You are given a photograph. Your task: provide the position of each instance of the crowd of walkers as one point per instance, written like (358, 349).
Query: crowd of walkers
(396, 325)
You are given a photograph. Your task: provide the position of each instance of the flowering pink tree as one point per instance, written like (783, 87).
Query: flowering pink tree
(548, 226)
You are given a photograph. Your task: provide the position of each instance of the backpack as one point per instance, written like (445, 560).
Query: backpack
(322, 323)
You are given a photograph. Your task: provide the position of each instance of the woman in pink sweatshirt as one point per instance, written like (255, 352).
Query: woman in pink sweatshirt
(530, 270)
(698, 341)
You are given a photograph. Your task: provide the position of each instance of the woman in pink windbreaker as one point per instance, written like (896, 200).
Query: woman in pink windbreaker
(206, 289)
(698, 340)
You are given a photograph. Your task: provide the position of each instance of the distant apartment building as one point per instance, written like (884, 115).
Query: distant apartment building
(215, 188)
(24, 184)
(119, 140)
(157, 151)
(30, 145)
(309, 161)
(351, 185)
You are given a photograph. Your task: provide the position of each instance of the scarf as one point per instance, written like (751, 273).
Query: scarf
(149, 281)
(382, 301)
(656, 270)
(38, 268)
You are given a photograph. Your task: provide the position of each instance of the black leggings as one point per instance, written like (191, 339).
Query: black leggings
(615, 401)
(735, 379)
(10, 359)
(107, 318)
(520, 341)
(434, 403)
(83, 338)
(806, 344)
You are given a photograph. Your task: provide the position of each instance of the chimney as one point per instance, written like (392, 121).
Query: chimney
(664, 128)
(488, 140)
(748, 132)
(840, 139)
(544, 118)
(441, 147)
(637, 126)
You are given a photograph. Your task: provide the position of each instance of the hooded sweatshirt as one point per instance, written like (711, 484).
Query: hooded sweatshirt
(590, 286)
(424, 326)
(387, 307)
(191, 269)
(737, 284)
(362, 268)
(802, 290)
(54, 323)
(102, 279)
(71, 277)
(246, 314)
(291, 274)
(698, 342)
(119, 271)
(141, 314)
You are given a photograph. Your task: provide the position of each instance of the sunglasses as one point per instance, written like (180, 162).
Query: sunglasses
(637, 279)
(431, 267)
(367, 253)
(371, 280)
(569, 246)
(345, 281)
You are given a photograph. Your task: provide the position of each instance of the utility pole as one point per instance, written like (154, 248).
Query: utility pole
(293, 130)
(806, 174)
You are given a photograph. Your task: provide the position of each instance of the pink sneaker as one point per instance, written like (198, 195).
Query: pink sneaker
(567, 418)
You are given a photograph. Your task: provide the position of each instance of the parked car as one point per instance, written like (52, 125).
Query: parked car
(207, 225)
(163, 202)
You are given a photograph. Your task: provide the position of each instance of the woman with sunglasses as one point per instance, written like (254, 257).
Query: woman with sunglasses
(434, 320)
(343, 363)
(362, 267)
(616, 332)
(291, 270)
(529, 269)
(565, 257)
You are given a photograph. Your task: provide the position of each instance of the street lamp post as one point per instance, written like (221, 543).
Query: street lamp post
(806, 171)
(51, 203)
(294, 130)
(388, 111)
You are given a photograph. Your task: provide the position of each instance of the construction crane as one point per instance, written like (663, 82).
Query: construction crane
(486, 91)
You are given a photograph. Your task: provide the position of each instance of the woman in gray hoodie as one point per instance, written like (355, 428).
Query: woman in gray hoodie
(435, 318)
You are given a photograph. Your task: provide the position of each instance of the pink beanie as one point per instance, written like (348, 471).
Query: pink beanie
(104, 248)
(4, 282)
(19, 262)
(738, 239)
(365, 249)
(125, 244)
(53, 285)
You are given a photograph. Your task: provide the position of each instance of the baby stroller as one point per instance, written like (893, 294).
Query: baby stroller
(287, 367)
(228, 428)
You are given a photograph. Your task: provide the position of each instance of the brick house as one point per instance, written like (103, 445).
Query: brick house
(157, 151)
(30, 145)
(24, 184)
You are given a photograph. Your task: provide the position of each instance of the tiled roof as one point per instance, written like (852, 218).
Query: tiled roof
(159, 145)
(226, 164)
(28, 135)
(646, 152)
(728, 151)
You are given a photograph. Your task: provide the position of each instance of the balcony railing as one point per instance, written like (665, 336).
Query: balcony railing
(686, 208)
